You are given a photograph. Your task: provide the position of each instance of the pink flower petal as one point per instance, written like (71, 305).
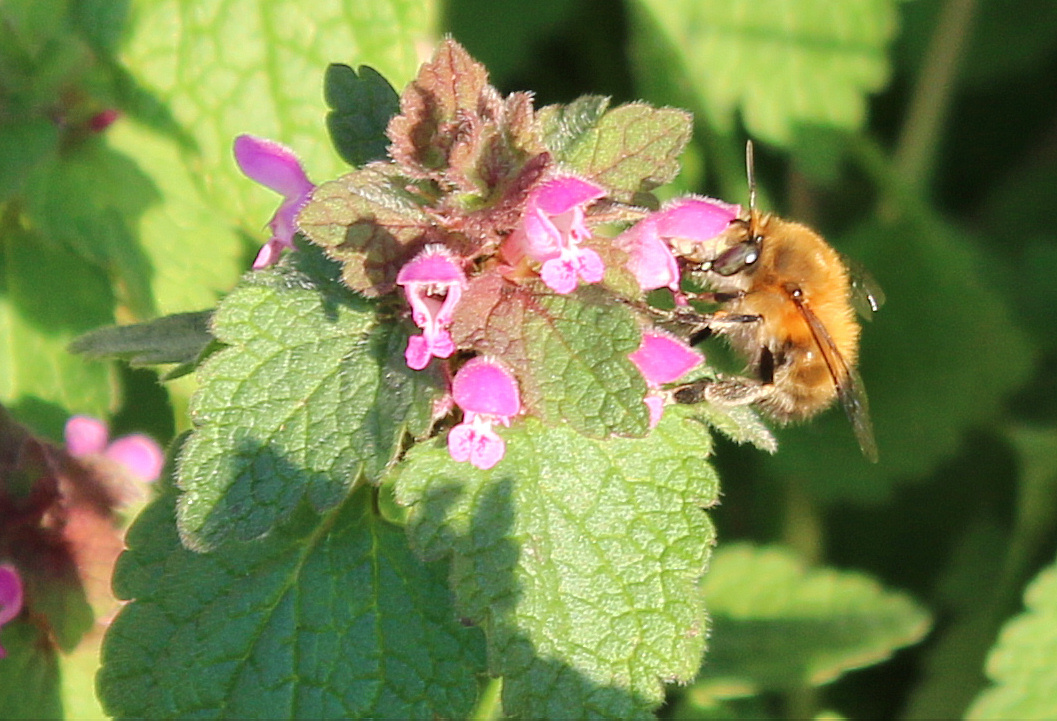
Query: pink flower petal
(10, 593)
(140, 454)
(269, 254)
(559, 274)
(273, 165)
(695, 218)
(484, 386)
(85, 436)
(562, 194)
(479, 445)
(589, 266)
(418, 353)
(662, 358)
(655, 404)
(433, 265)
(650, 259)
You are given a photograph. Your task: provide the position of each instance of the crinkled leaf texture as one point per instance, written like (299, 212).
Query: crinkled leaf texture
(629, 149)
(580, 558)
(311, 393)
(330, 616)
(784, 64)
(777, 624)
(1023, 664)
(569, 352)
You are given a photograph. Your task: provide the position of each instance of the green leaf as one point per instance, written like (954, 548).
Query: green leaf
(179, 338)
(329, 617)
(780, 64)
(580, 559)
(91, 199)
(569, 353)
(630, 149)
(30, 673)
(312, 393)
(1022, 664)
(360, 111)
(779, 625)
(368, 221)
(39, 380)
(24, 146)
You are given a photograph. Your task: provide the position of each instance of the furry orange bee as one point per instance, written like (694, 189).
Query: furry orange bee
(787, 302)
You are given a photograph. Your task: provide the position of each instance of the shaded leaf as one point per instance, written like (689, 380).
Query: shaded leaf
(312, 392)
(779, 625)
(361, 107)
(179, 338)
(24, 146)
(579, 558)
(340, 621)
(30, 673)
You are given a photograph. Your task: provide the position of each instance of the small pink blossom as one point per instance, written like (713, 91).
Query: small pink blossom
(433, 282)
(276, 167)
(662, 358)
(488, 394)
(551, 231)
(681, 223)
(140, 455)
(10, 596)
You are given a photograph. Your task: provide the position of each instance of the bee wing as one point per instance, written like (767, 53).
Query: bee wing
(850, 388)
(867, 297)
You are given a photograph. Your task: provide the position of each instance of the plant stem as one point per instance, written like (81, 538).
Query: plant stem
(916, 151)
(489, 703)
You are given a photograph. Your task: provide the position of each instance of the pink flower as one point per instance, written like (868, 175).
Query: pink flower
(682, 223)
(662, 358)
(275, 166)
(433, 282)
(488, 394)
(10, 596)
(140, 455)
(551, 231)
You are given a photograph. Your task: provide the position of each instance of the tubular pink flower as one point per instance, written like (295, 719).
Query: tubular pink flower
(488, 394)
(10, 596)
(551, 231)
(662, 358)
(648, 243)
(276, 167)
(140, 455)
(433, 282)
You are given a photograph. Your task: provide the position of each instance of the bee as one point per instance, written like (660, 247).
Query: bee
(788, 303)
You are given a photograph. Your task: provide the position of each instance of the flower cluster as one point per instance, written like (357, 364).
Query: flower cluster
(474, 210)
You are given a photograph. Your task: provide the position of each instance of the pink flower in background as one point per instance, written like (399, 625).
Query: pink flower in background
(10, 596)
(662, 358)
(488, 394)
(140, 455)
(648, 243)
(433, 282)
(276, 167)
(551, 231)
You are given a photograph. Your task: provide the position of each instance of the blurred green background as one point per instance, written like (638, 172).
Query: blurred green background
(919, 137)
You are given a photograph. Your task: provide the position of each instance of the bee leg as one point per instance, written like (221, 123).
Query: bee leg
(723, 391)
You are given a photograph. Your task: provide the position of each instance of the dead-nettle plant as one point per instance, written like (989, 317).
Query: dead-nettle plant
(433, 436)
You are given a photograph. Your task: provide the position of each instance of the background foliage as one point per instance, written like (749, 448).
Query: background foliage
(919, 137)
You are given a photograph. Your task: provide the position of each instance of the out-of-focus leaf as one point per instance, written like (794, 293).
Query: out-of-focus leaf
(24, 146)
(329, 617)
(49, 296)
(311, 393)
(779, 625)
(29, 674)
(579, 558)
(780, 63)
(1023, 664)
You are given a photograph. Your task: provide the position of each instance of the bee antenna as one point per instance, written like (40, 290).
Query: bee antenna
(750, 172)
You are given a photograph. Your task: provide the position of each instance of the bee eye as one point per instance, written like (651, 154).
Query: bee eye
(737, 258)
